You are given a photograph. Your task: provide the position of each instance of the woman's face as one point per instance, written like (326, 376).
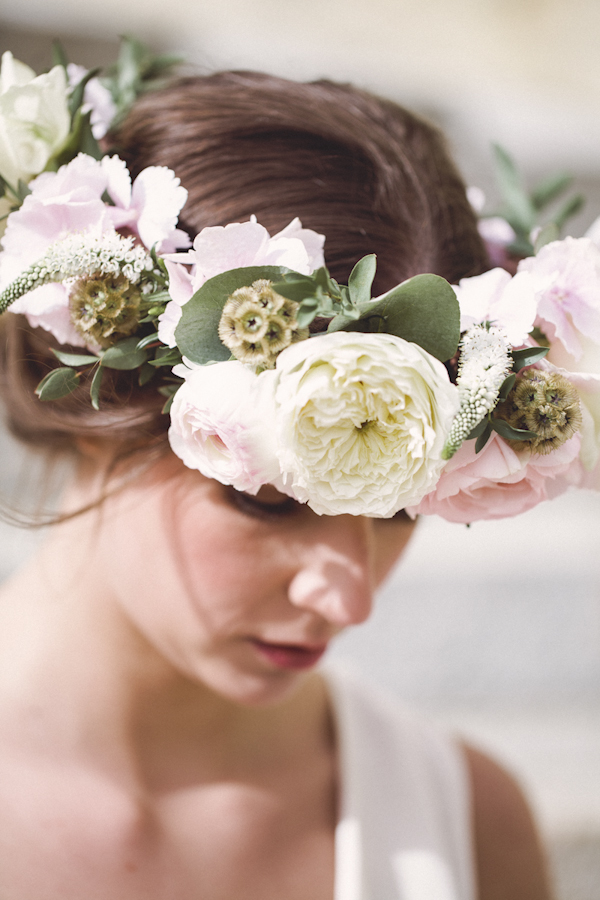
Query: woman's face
(240, 593)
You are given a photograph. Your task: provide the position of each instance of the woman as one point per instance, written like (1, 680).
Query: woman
(166, 731)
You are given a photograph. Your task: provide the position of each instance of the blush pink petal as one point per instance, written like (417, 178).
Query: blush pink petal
(313, 242)
(499, 482)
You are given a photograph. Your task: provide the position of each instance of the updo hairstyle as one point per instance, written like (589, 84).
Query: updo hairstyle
(369, 175)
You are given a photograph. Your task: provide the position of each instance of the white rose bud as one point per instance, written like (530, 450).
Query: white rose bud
(34, 119)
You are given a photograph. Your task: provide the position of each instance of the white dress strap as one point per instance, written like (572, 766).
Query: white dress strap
(404, 831)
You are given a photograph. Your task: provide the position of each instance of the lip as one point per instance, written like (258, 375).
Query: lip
(289, 656)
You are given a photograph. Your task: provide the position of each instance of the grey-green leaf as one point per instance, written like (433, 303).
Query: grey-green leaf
(483, 437)
(520, 209)
(75, 359)
(478, 430)
(361, 279)
(423, 310)
(57, 383)
(95, 387)
(527, 357)
(197, 333)
(124, 355)
(509, 433)
(570, 208)
(549, 189)
(506, 386)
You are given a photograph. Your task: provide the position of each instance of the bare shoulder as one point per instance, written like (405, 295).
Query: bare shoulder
(509, 857)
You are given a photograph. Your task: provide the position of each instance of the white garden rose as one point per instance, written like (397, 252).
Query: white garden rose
(222, 427)
(34, 119)
(361, 422)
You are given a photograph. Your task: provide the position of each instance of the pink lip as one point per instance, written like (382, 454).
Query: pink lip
(289, 656)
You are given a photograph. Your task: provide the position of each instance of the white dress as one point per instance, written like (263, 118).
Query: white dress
(404, 831)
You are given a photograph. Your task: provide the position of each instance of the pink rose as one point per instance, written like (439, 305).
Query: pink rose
(499, 482)
(223, 426)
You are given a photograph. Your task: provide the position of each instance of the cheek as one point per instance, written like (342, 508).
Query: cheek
(391, 537)
(223, 564)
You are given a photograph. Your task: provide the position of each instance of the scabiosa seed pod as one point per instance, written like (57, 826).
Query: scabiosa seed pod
(104, 309)
(257, 324)
(545, 403)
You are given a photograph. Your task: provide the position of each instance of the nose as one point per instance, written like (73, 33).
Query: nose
(334, 574)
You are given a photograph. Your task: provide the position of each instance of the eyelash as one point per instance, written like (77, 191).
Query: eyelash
(251, 506)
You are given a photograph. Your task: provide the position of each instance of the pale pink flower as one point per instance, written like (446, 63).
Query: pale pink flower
(217, 249)
(223, 426)
(70, 201)
(498, 482)
(97, 100)
(566, 280)
(496, 297)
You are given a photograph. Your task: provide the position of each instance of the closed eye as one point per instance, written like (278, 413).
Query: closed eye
(268, 503)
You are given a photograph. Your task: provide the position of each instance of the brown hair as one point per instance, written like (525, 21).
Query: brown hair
(369, 175)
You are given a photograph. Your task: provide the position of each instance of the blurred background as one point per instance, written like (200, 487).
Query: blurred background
(494, 629)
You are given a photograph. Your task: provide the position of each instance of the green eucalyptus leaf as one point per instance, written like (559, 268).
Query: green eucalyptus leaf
(297, 290)
(75, 359)
(172, 357)
(76, 98)
(483, 437)
(520, 247)
(547, 234)
(80, 140)
(506, 387)
(87, 142)
(423, 310)
(59, 56)
(124, 355)
(149, 339)
(169, 390)
(167, 406)
(197, 333)
(361, 279)
(95, 387)
(570, 208)
(478, 430)
(527, 357)
(341, 322)
(520, 212)
(145, 374)
(549, 189)
(57, 383)
(307, 311)
(511, 434)
(23, 190)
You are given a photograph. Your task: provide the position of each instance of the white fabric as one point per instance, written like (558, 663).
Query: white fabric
(404, 831)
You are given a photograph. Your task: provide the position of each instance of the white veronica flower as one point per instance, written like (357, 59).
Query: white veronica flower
(485, 362)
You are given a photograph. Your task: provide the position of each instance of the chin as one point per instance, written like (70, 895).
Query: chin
(253, 689)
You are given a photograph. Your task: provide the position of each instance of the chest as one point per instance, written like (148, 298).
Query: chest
(68, 833)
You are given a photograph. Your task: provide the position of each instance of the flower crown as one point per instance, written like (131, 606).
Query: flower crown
(470, 401)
